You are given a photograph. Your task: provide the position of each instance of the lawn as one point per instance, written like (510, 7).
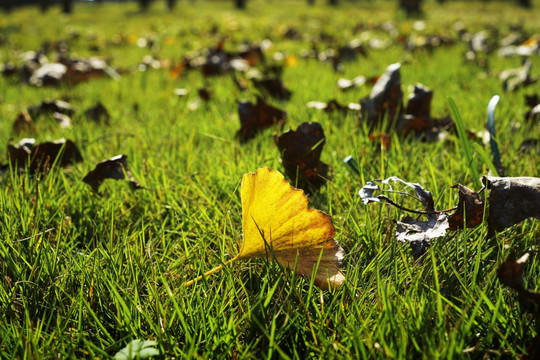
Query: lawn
(87, 271)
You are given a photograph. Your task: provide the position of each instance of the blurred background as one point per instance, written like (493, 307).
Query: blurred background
(411, 7)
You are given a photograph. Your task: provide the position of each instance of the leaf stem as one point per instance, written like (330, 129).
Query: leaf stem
(387, 199)
(208, 273)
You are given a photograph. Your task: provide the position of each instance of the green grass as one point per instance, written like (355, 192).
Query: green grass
(84, 274)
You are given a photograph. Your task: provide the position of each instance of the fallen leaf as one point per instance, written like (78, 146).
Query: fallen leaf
(49, 107)
(511, 200)
(419, 104)
(527, 48)
(533, 113)
(532, 100)
(20, 153)
(510, 274)
(177, 70)
(470, 209)
(273, 87)
(23, 124)
(529, 145)
(69, 70)
(410, 230)
(513, 79)
(63, 120)
(82, 70)
(114, 168)
(205, 94)
(257, 117)
(482, 41)
(300, 153)
(350, 52)
(278, 224)
(334, 106)
(252, 54)
(98, 113)
(385, 99)
(419, 233)
(429, 42)
(65, 152)
(380, 138)
(40, 157)
(8, 69)
(291, 33)
(346, 84)
(418, 120)
(422, 195)
(50, 74)
(216, 61)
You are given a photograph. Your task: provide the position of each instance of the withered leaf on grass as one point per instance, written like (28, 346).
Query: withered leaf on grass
(273, 87)
(252, 53)
(513, 79)
(533, 114)
(517, 45)
(301, 152)
(23, 124)
(419, 103)
(205, 94)
(20, 153)
(98, 113)
(530, 145)
(114, 168)
(428, 42)
(510, 273)
(347, 84)
(216, 61)
(470, 209)
(418, 120)
(8, 69)
(58, 109)
(350, 52)
(49, 107)
(386, 97)
(334, 106)
(63, 120)
(422, 195)
(257, 117)
(70, 70)
(380, 138)
(50, 74)
(418, 233)
(511, 200)
(40, 157)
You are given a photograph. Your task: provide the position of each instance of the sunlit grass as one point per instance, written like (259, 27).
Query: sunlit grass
(84, 274)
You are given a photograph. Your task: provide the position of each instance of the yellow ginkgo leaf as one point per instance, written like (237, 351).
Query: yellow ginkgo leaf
(277, 224)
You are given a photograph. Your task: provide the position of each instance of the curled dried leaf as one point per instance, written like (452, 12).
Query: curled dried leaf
(257, 117)
(301, 155)
(114, 168)
(511, 200)
(470, 209)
